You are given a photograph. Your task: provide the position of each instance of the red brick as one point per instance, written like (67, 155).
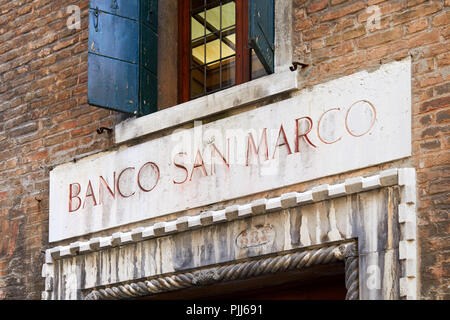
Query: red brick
(442, 89)
(412, 13)
(384, 9)
(441, 19)
(416, 26)
(423, 39)
(443, 116)
(443, 60)
(423, 66)
(435, 104)
(344, 23)
(317, 6)
(41, 155)
(349, 34)
(336, 2)
(317, 32)
(342, 11)
(430, 80)
(380, 38)
(412, 3)
(303, 24)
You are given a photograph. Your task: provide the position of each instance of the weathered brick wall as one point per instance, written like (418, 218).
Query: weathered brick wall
(337, 37)
(44, 121)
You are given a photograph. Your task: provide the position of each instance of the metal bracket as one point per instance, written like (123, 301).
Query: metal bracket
(150, 11)
(103, 129)
(114, 5)
(296, 64)
(96, 19)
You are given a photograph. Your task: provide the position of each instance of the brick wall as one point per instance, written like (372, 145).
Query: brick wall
(339, 37)
(44, 121)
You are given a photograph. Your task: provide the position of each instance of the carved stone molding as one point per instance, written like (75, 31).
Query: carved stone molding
(354, 223)
(257, 207)
(245, 270)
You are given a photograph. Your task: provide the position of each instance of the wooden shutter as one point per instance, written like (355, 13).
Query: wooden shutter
(262, 31)
(117, 46)
(149, 56)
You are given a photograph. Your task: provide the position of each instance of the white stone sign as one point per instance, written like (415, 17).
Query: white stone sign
(346, 124)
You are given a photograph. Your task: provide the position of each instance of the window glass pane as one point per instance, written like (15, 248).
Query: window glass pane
(197, 29)
(212, 77)
(227, 13)
(197, 5)
(220, 75)
(231, 38)
(213, 52)
(228, 72)
(257, 69)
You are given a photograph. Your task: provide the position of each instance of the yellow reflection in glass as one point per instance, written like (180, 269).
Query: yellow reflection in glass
(212, 51)
(232, 38)
(228, 16)
(198, 29)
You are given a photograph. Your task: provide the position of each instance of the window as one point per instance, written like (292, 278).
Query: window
(214, 42)
(221, 43)
(213, 46)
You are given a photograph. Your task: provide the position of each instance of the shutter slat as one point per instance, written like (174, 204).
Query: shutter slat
(149, 13)
(149, 91)
(262, 32)
(149, 56)
(114, 37)
(149, 49)
(123, 53)
(113, 84)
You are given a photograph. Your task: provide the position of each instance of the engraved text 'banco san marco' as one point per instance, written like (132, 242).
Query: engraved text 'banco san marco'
(258, 150)
(346, 124)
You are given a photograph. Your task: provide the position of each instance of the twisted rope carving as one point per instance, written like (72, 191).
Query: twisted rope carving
(248, 269)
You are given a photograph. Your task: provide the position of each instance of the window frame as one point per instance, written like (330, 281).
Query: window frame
(283, 80)
(184, 47)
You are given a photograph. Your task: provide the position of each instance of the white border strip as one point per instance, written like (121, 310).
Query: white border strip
(408, 234)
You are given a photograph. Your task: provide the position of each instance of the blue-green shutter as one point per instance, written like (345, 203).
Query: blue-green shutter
(262, 31)
(149, 56)
(118, 46)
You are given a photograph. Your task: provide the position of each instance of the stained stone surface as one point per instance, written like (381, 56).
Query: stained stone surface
(370, 218)
(349, 123)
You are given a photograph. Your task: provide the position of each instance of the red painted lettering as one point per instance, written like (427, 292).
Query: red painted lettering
(156, 170)
(72, 196)
(200, 164)
(101, 182)
(318, 127)
(213, 152)
(118, 183)
(178, 165)
(251, 143)
(89, 193)
(303, 135)
(374, 118)
(284, 142)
